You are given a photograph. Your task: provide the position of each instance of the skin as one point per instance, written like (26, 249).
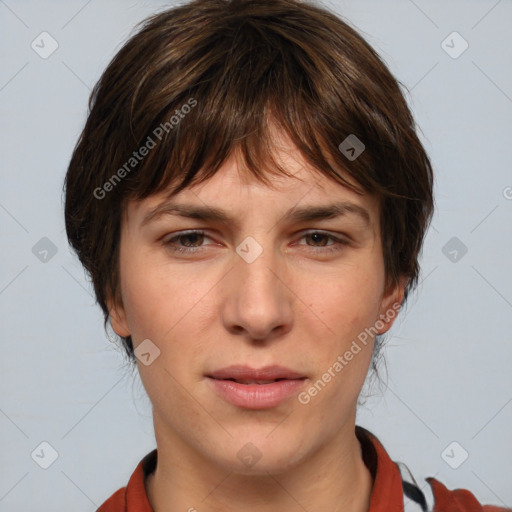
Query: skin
(297, 305)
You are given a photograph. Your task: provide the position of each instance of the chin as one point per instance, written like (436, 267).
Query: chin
(259, 455)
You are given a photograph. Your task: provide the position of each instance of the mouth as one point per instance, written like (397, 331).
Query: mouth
(247, 375)
(250, 388)
(253, 381)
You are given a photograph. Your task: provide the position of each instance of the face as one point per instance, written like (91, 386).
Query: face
(270, 285)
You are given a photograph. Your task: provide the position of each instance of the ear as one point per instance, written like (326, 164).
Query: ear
(118, 317)
(390, 305)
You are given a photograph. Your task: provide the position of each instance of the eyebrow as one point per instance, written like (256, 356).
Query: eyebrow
(298, 214)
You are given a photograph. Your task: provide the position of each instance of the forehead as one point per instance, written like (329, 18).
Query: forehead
(235, 189)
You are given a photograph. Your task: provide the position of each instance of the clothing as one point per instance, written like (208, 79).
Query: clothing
(392, 492)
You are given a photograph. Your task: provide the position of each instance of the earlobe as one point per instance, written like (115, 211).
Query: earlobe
(390, 306)
(118, 319)
(119, 326)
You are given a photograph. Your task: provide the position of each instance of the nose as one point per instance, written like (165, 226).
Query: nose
(258, 301)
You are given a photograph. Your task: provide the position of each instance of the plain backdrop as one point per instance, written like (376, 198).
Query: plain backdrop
(448, 358)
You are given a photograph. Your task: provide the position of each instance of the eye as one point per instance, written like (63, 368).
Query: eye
(192, 238)
(190, 242)
(321, 238)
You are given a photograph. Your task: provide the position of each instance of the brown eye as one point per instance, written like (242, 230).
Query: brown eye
(186, 242)
(320, 240)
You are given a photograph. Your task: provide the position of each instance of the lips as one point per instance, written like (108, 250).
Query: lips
(251, 388)
(247, 375)
(252, 381)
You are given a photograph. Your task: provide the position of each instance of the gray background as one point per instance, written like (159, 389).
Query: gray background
(448, 360)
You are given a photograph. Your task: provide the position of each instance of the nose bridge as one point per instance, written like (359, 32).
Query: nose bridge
(257, 274)
(257, 302)
(256, 270)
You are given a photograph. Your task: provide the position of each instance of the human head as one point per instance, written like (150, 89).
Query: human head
(204, 80)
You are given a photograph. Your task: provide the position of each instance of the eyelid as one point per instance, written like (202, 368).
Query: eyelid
(339, 241)
(338, 236)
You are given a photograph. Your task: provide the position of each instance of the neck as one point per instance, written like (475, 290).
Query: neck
(335, 478)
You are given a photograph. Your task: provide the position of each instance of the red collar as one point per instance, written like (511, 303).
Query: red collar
(387, 493)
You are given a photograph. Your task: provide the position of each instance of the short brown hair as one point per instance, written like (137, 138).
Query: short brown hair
(238, 65)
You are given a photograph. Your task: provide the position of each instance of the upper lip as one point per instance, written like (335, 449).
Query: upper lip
(238, 372)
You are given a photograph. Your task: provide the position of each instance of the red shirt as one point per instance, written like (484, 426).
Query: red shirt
(387, 493)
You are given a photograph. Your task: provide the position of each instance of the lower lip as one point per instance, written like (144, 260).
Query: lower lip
(256, 396)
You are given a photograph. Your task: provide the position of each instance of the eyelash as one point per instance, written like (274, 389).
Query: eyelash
(337, 246)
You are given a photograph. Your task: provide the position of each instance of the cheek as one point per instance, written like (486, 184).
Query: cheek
(163, 306)
(164, 303)
(148, 294)
(348, 303)
(143, 300)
